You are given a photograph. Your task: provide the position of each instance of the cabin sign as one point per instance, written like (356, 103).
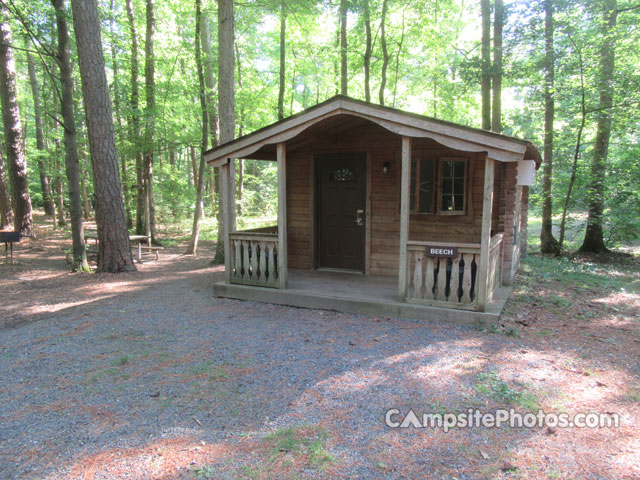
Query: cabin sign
(444, 252)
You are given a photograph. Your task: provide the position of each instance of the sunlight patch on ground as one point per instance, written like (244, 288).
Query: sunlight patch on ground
(155, 460)
(413, 354)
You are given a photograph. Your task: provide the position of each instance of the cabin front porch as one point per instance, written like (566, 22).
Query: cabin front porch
(372, 295)
(434, 279)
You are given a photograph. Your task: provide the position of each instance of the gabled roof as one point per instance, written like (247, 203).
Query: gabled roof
(497, 146)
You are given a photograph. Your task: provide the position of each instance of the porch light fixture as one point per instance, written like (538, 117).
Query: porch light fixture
(386, 166)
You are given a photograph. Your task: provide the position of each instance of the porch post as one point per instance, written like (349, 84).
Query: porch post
(226, 216)
(404, 216)
(232, 194)
(485, 240)
(282, 213)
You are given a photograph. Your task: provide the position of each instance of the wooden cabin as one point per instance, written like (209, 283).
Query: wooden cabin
(380, 212)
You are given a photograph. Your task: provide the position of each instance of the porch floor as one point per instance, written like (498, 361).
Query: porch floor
(353, 293)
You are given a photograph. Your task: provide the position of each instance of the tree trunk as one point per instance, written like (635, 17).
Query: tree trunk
(72, 163)
(47, 195)
(59, 191)
(594, 237)
(226, 94)
(194, 165)
(118, 111)
(397, 69)
(209, 80)
(385, 53)
(57, 167)
(576, 153)
(6, 213)
(343, 48)
(135, 132)
(283, 32)
(17, 163)
(367, 52)
(496, 112)
(114, 252)
(548, 244)
(195, 232)
(485, 88)
(150, 122)
(240, 186)
(85, 197)
(212, 188)
(240, 161)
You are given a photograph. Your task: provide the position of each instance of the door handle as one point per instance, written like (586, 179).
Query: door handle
(359, 218)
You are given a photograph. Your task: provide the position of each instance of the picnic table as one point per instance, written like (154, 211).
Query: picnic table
(140, 240)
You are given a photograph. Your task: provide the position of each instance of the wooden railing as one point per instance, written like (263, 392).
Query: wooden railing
(451, 282)
(267, 229)
(254, 258)
(494, 269)
(448, 282)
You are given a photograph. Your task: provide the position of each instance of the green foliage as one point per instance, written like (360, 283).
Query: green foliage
(260, 194)
(615, 277)
(489, 384)
(309, 442)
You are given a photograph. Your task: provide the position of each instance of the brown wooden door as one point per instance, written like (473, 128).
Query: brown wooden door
(341, 191)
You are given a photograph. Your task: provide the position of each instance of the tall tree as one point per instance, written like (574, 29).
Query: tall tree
(548, 244)
(385, 52)
(117, 107)
(59, 183)
(397, 69)
(6, 213)
(47, 195)
(496, 110)
(210, 82)
(209, 78)
(72, 163)
(21, 200)
(283, 35)
(240, 161)
(195, 232)
(343, 48)
(114, 252)
(576, 152)
(135, 131)
(594, 237)
(485, 88)
(150, 117)
(367, 51)
(226, 90)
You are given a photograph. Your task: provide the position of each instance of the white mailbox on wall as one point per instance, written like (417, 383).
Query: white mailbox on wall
(526, 170)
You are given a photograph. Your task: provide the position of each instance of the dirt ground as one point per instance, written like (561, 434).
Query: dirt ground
(147, 376)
